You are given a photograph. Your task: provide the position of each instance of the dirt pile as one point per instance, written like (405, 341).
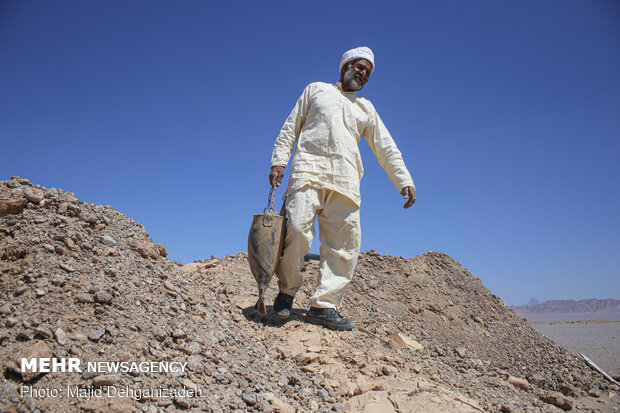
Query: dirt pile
(83, 281)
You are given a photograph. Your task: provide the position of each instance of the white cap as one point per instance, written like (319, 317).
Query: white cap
(358, 53)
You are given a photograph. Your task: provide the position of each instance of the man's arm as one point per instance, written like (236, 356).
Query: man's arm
(285, 142)
(389, 157)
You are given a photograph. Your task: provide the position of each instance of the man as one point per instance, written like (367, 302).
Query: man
(325, 126)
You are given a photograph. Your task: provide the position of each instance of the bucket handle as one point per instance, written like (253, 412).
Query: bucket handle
(270, 200)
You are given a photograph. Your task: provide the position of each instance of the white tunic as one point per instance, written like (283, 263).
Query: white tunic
(327, 124)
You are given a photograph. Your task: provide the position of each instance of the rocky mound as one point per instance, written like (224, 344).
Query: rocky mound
(83, 281)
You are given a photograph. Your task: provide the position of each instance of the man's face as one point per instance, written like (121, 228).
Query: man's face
(356, 74)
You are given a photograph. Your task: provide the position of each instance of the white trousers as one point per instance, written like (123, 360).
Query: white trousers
(340, 236)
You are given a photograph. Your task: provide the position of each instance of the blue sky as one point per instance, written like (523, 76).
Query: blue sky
(507, 114)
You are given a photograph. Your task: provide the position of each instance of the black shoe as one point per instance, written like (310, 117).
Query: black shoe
(282, 306)
(329, 318)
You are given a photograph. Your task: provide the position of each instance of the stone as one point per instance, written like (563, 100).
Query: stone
(557, 400)
(249, 398)
(402, 340)
(103, 297)
(105, 380)
(332, 383)
(190, 385)
(88, 217)
(33, 194)
(38, 350)
(460, 351)
(178, 333)
(71, 244)
(169, 285)
(61, 336)
(20, 290)
(10, 322)
(6, 309)
(519, 383)
(66, 267)
(183, 402)
(62, 208)
(12, 206)
(108, 241)
(97, 334)
(84, 298)
(161, 250)
(145, 249)
(13, 183)
(43, 331)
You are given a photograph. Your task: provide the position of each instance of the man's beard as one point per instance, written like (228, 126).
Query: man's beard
(351, 82)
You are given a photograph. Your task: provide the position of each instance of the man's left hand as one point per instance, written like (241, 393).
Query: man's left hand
(408, 192)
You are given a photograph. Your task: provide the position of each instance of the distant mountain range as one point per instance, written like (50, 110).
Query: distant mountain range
(591, 305)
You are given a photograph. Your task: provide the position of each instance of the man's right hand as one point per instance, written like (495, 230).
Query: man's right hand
(275, 177)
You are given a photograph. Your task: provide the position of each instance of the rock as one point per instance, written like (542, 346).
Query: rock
(460, 351)
(108, 241)
(161, 250)
(506, 408)
(66, 267)
(43, 331)
(25, 335)
(13, 183)
(402, 340)
(61, 336)
(12, 206)
(278, 405)
(183, 402)
(105, 380)
(71, 244)
(111, 271)
(14, 252)
(88, 217)
(5, 309)
(332, 383)
(557, 400)
(145, 249)
(62, 208)
(519, 383)
(97, 334)
(103, 297)
(10, 322)
(178, 333)
(169, 285)
(84, 298)
(389, 370)
(249, 398)
(37, 350)
(20, 290)
(415, 308)
(33, 194)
